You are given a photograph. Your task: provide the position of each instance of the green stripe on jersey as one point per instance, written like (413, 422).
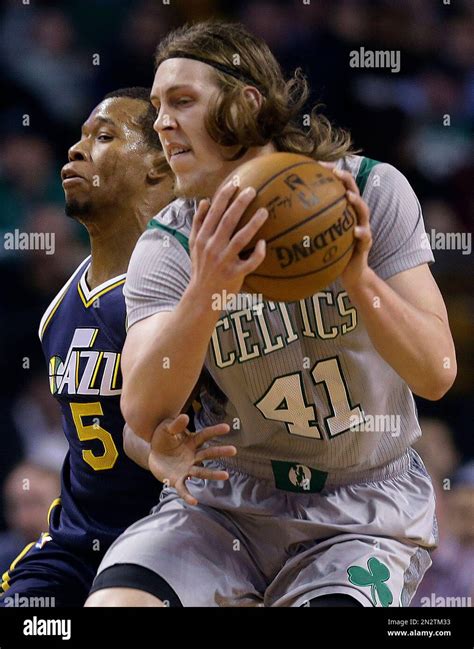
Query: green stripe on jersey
(184, 241)
(291, 476)
(365, 168)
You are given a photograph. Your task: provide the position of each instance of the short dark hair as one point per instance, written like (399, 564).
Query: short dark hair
(148, 119)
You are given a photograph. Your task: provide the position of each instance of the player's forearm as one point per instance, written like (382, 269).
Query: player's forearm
(136, 448)
(166, 366)
(417, 344)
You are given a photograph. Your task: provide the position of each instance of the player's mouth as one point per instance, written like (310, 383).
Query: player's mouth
(72, 180)
(70, 176)
(177, 152)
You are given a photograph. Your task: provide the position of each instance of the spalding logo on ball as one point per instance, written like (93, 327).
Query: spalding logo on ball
(309, 230)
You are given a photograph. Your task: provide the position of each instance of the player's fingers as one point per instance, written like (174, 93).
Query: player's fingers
(347, 179)
(198, 219)
(360, 206)
(182, 491)
(208, 474)
(363, 236)
(256, 258)
(214, 452)
(233, 214)
(216, 210)
(178, 424)
(211, 431)
(247, 233)
(328, 165)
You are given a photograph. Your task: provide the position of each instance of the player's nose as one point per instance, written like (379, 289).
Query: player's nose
(164, 121)
(77, 152)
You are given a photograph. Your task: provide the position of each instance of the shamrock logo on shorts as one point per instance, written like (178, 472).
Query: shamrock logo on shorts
(374, 577)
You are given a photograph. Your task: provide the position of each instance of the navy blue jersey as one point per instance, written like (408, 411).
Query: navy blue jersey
(102, 490)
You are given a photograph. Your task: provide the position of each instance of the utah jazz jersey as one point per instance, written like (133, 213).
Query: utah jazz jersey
(102, 490)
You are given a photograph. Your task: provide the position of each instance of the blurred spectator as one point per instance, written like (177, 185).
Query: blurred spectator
(37, 418)
(437, 449)
(50, 64)
(452, 572)
(28, 177)
(461, 502)
(130, 61)
(31, 280)
(28, 493)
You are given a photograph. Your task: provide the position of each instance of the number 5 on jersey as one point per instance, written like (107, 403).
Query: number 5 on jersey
(93, 431)
(286, 401)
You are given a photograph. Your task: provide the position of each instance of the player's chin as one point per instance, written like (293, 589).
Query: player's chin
(76, 193)
(190, 186)
(76, 206)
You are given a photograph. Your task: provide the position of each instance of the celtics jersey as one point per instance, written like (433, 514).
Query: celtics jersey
(309, 400)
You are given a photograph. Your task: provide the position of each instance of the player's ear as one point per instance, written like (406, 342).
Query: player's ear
(158, 169)
(253, 97)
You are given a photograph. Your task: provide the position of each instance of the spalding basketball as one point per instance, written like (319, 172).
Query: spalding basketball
(309, 230)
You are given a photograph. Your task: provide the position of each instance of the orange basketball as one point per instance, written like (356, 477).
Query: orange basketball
(309, 230)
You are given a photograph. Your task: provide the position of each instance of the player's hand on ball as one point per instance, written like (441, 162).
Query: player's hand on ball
(177, 454)
(214, 246)
(358, 265)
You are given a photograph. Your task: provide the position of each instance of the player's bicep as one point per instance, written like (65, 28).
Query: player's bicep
(140, 336)
(418, 287)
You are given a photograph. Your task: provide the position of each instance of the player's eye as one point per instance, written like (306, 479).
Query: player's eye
(183, 101)
(104, 137)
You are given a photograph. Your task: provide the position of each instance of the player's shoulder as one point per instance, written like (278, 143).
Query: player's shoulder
(167, 232)
(55, 303)
(371, 174)
(175, 217)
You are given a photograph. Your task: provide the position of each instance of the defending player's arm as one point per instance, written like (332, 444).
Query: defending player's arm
(174, 453)
(136, 448)
(152, 389)
(405, 315)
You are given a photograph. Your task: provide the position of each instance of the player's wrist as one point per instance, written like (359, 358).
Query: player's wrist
(202, 301)
(361, 283)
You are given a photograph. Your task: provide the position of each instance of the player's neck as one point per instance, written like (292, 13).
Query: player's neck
(112, 246)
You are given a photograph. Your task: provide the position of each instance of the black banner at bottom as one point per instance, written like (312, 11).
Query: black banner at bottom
(235, 628)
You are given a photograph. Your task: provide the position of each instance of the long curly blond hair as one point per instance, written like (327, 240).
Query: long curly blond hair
(232, 119)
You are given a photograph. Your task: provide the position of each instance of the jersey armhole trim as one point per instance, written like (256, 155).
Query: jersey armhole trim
(52, 308)
(366, 166)
(183, 240)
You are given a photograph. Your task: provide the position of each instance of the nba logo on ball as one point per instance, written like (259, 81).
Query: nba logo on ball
(310, 229)
(300, 476)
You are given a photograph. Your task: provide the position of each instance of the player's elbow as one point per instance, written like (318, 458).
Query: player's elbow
(133, 413)
(438, 385)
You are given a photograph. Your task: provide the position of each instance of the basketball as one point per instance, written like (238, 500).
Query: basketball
(309, 230)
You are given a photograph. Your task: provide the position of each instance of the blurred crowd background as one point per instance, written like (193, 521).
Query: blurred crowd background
(60, 58)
